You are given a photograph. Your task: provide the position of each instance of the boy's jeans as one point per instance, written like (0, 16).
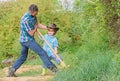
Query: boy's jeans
(55, 59)
(33, 45)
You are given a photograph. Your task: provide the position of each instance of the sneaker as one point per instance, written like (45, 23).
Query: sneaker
(54, 69)
(43, 71)
(11, 72)
(62, 65)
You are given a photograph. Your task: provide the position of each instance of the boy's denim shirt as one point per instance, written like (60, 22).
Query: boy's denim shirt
(52, 40)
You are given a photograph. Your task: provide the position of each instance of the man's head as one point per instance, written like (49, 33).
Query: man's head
(33, 9)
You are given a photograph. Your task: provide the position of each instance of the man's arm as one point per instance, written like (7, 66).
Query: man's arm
(37, 25)
(41, 26)
(32, 32)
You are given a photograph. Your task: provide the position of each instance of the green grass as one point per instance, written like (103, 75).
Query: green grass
(31, 73)
(86, 42)
(35, 61)
(91, 67)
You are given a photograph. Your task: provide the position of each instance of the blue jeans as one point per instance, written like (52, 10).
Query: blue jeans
(55, 59)
(33, 45)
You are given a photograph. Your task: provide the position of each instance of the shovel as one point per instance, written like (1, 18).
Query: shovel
(62, 63)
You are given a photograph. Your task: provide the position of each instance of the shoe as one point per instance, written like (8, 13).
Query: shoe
(54, 69)
(43, 71)
(62, 65)
(11, 72)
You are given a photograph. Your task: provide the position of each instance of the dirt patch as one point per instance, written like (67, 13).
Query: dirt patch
(3, 74)
(38, 78)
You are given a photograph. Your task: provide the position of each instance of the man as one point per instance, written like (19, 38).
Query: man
(28, 27)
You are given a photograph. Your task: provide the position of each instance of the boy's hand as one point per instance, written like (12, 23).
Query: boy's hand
(55, 50)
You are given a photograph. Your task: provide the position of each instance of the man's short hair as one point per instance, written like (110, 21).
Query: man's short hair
(33, 8)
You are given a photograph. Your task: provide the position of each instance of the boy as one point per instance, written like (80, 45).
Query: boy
(52, 40)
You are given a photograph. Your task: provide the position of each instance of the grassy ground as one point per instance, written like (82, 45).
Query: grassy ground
(88, 66)
(85, 42)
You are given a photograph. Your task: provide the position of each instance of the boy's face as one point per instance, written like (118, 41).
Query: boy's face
(51, 32)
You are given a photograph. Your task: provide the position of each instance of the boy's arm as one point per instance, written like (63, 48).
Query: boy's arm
(56, 46)
(56, 50)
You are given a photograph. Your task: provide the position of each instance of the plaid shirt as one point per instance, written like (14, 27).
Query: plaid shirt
(26, 24)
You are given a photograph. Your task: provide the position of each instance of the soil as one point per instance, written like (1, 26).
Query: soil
(21, 70)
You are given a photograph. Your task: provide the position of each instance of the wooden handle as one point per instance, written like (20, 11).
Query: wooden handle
(62, 63)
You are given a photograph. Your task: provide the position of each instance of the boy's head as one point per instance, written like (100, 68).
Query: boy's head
(52, 29)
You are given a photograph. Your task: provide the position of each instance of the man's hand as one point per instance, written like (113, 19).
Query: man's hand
(35, 27)
(32, 32)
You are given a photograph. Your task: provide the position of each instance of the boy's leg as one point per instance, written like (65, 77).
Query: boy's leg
(33, 45)
(19, 61)
(56, 59)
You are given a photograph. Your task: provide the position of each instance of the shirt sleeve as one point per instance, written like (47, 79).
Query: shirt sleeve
(55, 43)
(27, 24)
(36, 21)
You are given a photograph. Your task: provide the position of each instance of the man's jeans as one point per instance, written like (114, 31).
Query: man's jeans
(33, 45)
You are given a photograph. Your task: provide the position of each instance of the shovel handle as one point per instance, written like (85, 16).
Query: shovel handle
(63, 64)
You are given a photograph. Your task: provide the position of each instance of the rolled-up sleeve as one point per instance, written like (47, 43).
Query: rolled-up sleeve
(55, 43)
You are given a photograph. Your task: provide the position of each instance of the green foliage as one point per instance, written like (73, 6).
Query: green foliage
(10, 15)
(112, 16)
(93, 62)
(116, 58)
(87, 66)
(30, 73)
(92, 27)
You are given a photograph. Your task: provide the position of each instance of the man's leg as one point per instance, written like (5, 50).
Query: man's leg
(22, 58)
(19, 61)
(33, 45)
